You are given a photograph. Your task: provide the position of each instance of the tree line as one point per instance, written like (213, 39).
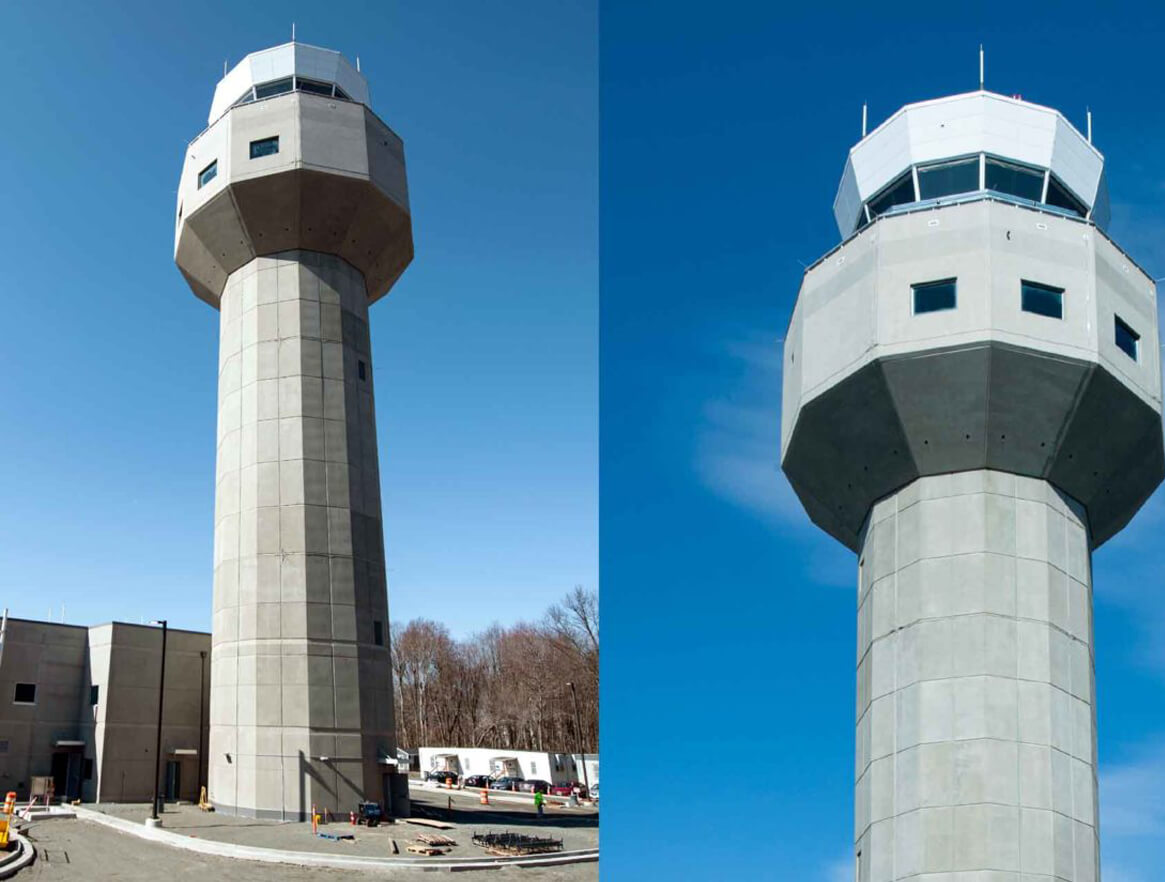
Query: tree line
(506, 687)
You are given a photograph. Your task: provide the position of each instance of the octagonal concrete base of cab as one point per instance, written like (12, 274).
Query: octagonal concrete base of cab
(985, 406)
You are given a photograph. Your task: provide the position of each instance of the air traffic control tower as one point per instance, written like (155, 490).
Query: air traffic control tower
(292, 219)
(972, 404)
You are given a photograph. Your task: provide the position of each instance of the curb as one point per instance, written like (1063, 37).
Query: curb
(25, 856)
(314, 859)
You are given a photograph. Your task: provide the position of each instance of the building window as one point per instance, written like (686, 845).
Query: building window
(533, 768)
(313, 86)
(1014, 180)
(361, 370)
(275, 87)
(948, 178)
(1042, 299)
(1059, 197)
(3, 745)
(94, 691)
(264, 147)
(900, 192)
(378, 633)
(208, 174)
(1127, 340)
(25, 693)
(934, 296)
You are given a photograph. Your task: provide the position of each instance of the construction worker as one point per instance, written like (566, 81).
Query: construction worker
(538, 798)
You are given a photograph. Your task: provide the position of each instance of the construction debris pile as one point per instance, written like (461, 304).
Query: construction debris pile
(516, 843)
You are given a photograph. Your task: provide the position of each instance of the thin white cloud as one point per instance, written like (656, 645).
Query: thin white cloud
(1131, 803)
(840, 870)
(738, 446)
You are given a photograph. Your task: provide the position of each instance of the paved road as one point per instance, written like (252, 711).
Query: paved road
(75, 851)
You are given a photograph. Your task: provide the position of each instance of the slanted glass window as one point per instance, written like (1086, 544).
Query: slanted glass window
(1059, 196)
(275, 87)
(264, 147)
(1015, 180)
(246, 98)
(1127, 340)
(934, 296)
(313, 86)
(1042, 299)
(208, 174)
(340, 93)
(25, 693)
(948, 178)
(900, 192)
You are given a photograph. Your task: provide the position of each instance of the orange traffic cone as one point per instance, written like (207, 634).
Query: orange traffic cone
(484, 796)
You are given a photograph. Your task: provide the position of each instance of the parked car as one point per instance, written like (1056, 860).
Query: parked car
(568, 789)
(504, 783)
(476, 781)
(534, 785)
(441, 775)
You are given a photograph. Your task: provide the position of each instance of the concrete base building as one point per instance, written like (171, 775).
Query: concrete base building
(80, 706)
(972, 403)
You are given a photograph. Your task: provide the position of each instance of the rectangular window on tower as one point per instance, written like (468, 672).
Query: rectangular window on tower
(361, 370)
(24, 693)
(378, 633)
(934, 296)
(1041, 299)
(208, 174)
(1127, 340)
(264, 147)
(94, 692)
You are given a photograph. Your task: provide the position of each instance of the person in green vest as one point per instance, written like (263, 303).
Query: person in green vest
(538, 798)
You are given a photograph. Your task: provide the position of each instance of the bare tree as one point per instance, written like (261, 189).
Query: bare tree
(505, 687)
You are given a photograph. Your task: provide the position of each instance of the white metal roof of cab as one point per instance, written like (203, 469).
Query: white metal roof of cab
(290, 59)
(978, 122)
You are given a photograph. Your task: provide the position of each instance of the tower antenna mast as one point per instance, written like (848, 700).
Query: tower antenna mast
(980, 67)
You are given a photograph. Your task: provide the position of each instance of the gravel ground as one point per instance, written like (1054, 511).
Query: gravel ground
(76, 850)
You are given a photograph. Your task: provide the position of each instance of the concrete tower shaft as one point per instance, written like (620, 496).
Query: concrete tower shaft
(972, 402)
(293, 217)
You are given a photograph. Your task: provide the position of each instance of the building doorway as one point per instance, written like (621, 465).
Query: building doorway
(66, 770)
(173, 779)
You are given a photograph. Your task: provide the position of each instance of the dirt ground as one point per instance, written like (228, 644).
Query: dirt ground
(75, 850)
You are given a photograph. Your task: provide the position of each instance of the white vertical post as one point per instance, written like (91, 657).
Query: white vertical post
(1088, 111)
(3, 633)
(865, 109)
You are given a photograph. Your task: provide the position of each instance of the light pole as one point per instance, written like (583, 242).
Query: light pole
(158, 742)
(578, 730)
(201, 710)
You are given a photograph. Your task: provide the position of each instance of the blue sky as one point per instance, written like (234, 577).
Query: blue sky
(485, 352)
(724, 134)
